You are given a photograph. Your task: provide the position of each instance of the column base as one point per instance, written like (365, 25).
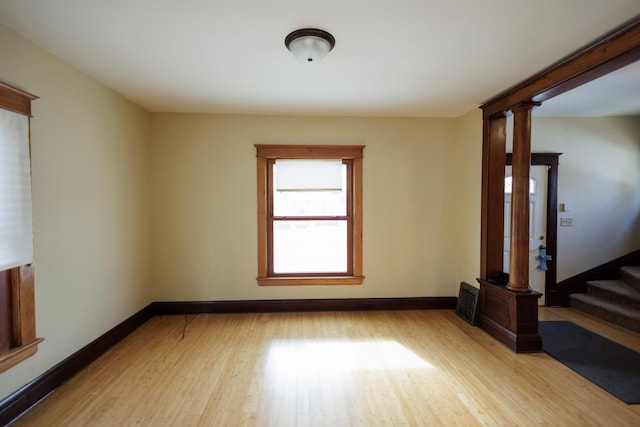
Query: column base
(520, 289)
(510, 317)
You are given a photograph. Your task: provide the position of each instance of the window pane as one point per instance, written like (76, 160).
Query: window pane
(308, 174)
(311, 202)
(310, 246)
(16, 234)
(508, 185)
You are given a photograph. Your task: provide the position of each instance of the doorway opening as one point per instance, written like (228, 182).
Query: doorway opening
(550, 226)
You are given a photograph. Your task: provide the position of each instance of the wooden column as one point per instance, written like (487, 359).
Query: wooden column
(509, 312)
(492, 226)
(519, 250)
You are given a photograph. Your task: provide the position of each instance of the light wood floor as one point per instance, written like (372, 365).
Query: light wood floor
(417, 368)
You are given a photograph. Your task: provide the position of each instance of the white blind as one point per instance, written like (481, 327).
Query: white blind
(16, 228)
(308, 174)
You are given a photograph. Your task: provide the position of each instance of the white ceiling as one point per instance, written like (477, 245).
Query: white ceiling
(415, 58)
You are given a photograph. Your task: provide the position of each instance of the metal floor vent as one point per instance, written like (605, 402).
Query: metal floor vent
(467, 307)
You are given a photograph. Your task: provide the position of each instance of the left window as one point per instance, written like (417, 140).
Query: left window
(17, 309)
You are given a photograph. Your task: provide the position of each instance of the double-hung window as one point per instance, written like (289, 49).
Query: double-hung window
(309, 214)
(17, 305)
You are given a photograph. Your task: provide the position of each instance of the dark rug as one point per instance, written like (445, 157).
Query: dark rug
(611, 366)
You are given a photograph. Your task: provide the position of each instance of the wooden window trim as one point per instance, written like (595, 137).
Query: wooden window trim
(23, 328)
(266, 153)
(15, 100)
(347, 218)
(24, 342)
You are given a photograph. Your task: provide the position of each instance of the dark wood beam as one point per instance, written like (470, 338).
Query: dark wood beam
(610, 52)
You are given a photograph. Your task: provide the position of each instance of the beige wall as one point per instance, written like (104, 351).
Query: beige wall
(132, 207)
(599, 174)
(421, 203)
(465, 173)
(90, 156)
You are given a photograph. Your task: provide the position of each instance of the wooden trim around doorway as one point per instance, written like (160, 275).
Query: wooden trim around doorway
(552, 292)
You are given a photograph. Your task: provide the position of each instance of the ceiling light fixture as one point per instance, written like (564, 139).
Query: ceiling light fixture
(309, 44)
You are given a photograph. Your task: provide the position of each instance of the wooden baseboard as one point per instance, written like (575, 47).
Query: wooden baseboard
(21, 400)
(607, 271)
(301, 305)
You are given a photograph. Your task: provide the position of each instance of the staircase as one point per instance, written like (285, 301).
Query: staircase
(617, 301)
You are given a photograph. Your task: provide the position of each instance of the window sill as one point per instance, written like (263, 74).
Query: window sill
(18, 354)
(302, 280)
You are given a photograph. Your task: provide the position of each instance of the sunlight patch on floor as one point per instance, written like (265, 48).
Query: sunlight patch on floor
(337, 355)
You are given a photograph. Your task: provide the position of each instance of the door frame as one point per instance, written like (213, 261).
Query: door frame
(551, 160)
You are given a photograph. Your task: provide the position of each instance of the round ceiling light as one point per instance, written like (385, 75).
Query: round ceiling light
(309, 44)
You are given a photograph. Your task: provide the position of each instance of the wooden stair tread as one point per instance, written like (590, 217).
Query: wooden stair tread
(616, 300)
(607, 305)
(631, 275)
(618, 287)
(619, 314)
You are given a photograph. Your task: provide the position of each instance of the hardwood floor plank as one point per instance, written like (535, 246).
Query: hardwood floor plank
(374, 368)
